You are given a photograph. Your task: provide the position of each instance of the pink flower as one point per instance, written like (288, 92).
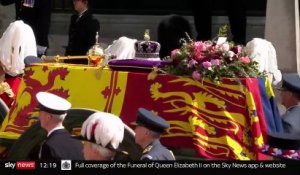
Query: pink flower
(199, 56)
(245, 60)
(196, 75)
(199, 46)
(191, 63)
(215, 62)
(207, 65)
(175, 53)
(237, 49)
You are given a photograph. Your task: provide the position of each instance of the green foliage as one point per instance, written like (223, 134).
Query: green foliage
(223, 31)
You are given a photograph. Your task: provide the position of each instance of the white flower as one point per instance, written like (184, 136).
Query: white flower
(230, 54)
(225, 46)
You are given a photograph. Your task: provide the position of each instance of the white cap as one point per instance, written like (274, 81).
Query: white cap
(52, 104)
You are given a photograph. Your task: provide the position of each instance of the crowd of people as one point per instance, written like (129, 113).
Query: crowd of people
(102, 133)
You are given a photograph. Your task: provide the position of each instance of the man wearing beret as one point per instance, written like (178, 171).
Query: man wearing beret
(290, 98)
(59, 143)
(149, 128)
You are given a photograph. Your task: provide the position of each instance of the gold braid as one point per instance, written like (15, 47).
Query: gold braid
(5, 88)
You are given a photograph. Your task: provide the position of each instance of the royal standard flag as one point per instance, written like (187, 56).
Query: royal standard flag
(218, 121)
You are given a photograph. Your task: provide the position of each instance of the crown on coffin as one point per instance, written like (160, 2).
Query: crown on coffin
(147, 48)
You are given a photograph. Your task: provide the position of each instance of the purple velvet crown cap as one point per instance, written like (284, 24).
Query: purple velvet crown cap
(147, 48)
(139, 63)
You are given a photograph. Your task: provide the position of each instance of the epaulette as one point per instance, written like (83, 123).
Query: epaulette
(146, 156)
(147, 149)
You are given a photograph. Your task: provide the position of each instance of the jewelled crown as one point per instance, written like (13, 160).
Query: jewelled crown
(147, 48)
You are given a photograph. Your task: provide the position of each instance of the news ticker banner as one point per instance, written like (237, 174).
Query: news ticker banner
(204, 166)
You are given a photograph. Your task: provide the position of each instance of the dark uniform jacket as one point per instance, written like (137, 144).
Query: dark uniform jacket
(82, 33)
(38, 18)
(291, 120)
(60, 145)
(156, 151)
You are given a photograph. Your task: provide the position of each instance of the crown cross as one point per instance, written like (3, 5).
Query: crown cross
(147, 35)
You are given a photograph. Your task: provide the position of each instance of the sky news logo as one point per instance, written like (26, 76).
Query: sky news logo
(25, 165)
(21, 165)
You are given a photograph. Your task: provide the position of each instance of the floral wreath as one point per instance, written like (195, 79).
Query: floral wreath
(213, 59)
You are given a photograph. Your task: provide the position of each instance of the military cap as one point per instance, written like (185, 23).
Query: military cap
(291, 82)
(151, 121)
(104, 129)
(283, 145)
(52, 104)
